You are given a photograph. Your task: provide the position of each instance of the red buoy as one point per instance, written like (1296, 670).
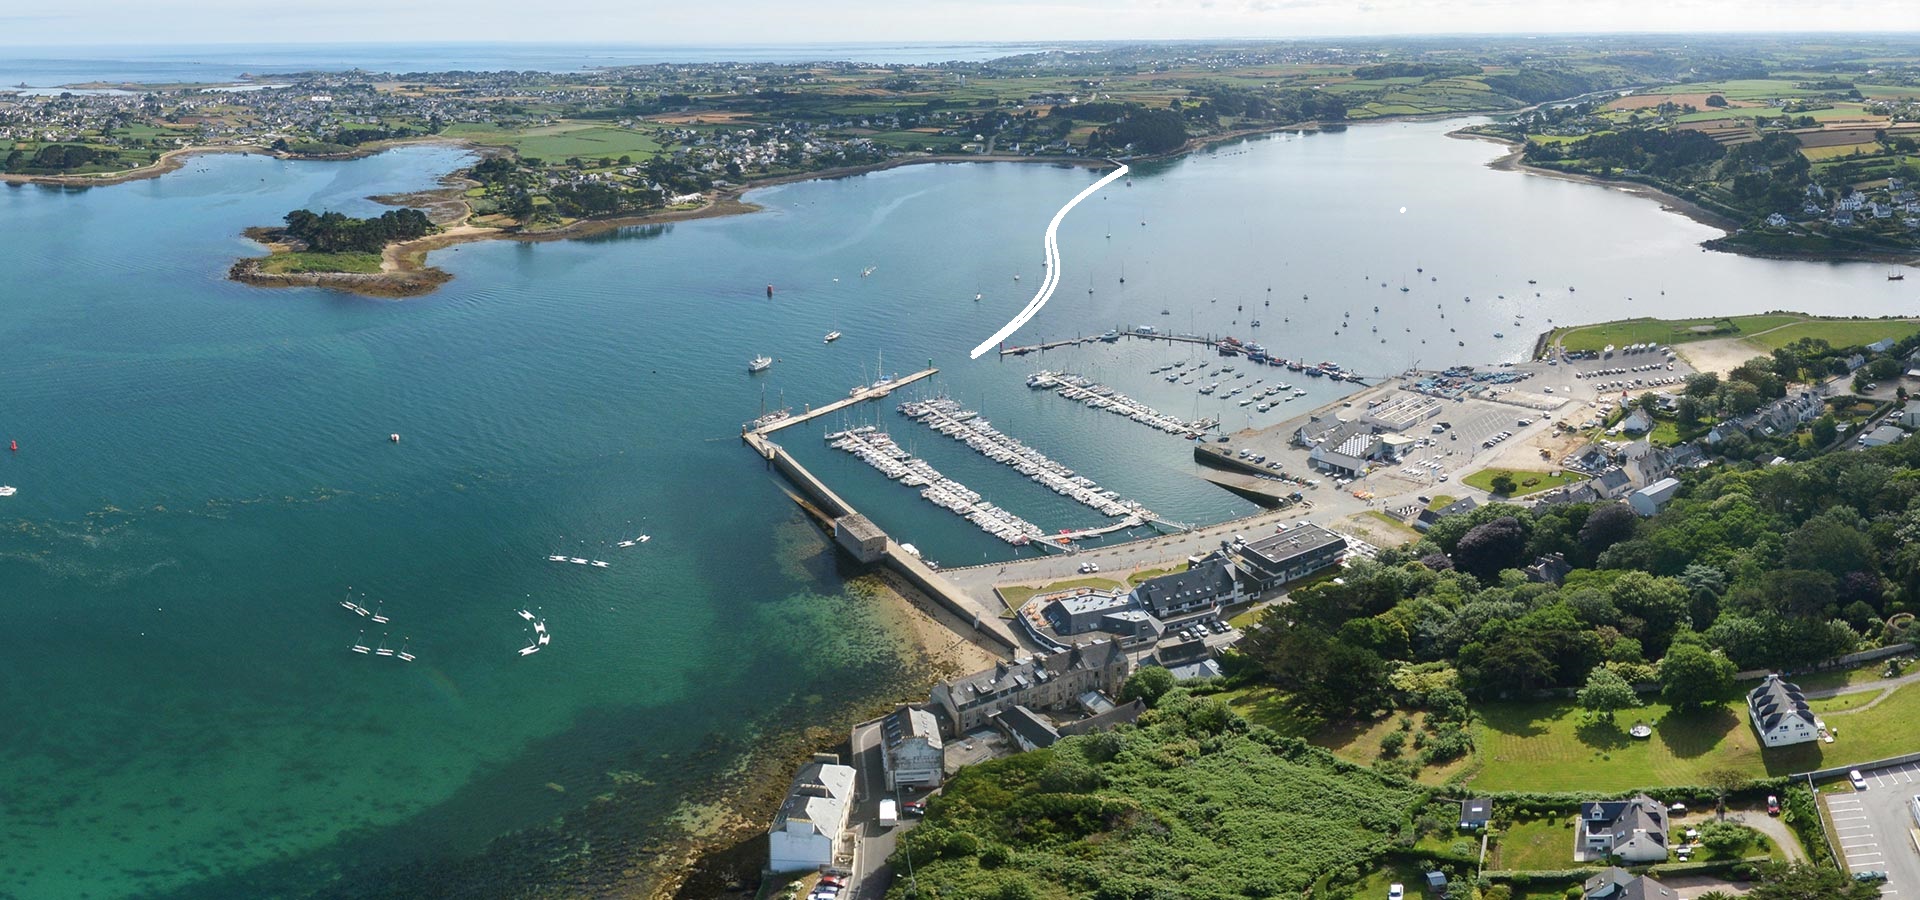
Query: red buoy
(769, 290)
(14, 446)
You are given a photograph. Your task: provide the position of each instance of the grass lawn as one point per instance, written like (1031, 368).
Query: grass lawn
(1844, 701)
(1666, 331)
(1815, 681)
(1263, 705)
(1549, 746)
(1146, 574)
(1440, 501)
(558, 142)
(1016, 595)
(290, 263)
(1545, 843)
(1393, 524)
(1541, 481)
(1374, 887)
(1839, 333)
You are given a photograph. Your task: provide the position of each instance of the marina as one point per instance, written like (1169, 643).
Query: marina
(1099, 396)
(944, 415)
(876, 449)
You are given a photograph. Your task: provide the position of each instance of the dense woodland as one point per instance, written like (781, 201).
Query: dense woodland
(332, 232)
(1755, 567)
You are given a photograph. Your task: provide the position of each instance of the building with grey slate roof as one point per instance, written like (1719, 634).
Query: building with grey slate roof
(1045, 682)
(1634, 830)
(1780, 713)
(1616, 883)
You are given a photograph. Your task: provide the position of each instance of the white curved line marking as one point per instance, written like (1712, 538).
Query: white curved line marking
(1052, 280)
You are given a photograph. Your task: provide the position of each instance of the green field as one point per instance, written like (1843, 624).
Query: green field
(1549, 746)
(1838, 332)
(558, 142)
(1544, 843)
(1667, 331)
(1542, 481)
(293, 263)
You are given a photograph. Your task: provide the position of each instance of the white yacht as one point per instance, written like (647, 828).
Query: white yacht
(760, 364)
(831, 337)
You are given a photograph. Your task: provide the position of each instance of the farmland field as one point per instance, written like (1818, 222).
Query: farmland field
(1839, 333)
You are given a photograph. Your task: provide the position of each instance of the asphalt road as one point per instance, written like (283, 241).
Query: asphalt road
(1873, 828)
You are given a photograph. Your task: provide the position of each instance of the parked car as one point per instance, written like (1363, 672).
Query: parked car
(1870, 876)
(914, 808)
(1859, 781)
(833, 881)
(1773, 805)
(1396, 892)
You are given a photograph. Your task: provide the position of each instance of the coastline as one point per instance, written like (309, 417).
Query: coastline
(1672, 203)
(1512, 162)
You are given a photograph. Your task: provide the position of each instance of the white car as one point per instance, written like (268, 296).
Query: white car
(1396, 892)
(1859, 782)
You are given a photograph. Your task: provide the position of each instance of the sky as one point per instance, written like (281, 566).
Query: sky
(149, 22)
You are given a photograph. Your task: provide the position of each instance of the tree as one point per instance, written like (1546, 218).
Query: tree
(1488, 548)
(1503, 484)
(1147, 683)
(1805, 881)
(1724, 782)
(1607, 524)
(1606, 692)
(1825, 429)
(1716, 100)
(1692, 676)
(1726, 838)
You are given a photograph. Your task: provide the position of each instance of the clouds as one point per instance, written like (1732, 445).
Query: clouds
(789, 21)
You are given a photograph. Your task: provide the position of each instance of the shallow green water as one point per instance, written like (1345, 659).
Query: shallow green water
(204, 467)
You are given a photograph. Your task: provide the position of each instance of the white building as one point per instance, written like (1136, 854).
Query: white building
(1780, 713)
(911, 750)
(807, 830)
(1654, 497)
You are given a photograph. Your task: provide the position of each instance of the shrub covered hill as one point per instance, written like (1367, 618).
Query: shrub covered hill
(1195, 803)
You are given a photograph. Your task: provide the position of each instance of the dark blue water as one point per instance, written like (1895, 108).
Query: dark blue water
(51, 66)
(204, 466)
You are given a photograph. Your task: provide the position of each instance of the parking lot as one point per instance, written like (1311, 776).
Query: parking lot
(1874, 828)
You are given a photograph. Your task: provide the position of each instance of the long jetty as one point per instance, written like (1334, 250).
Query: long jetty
(857, 395)
(985, 621)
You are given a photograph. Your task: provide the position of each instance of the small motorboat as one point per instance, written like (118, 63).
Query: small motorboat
(831, 337)
(7, 490)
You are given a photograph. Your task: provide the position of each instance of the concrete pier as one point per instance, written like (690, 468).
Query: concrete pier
(858, 396)
(984, 618)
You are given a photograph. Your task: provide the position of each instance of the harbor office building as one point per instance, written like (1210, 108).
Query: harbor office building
(1052, 681)
(1273, 560)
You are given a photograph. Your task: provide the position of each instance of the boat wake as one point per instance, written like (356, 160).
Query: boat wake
(1052, 280)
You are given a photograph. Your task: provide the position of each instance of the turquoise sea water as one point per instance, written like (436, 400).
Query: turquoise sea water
(204, 467)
